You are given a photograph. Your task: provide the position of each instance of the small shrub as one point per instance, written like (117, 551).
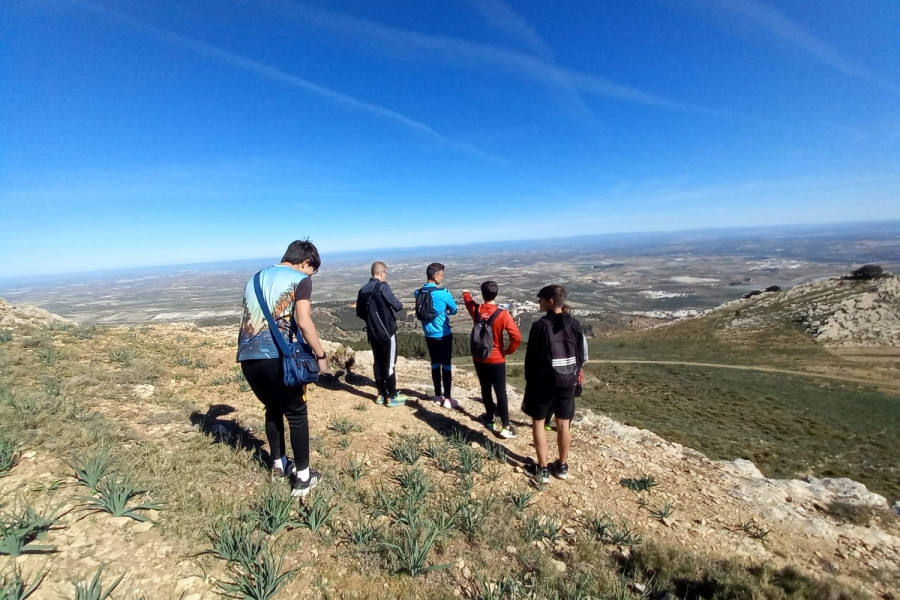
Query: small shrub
(415, 483)
(363, 532)
(356, 467)
(493, 473)
(521, 499)
(542, 527)
(9, 456)
(93, 590)
(495, 451)
(5, 336)
(753, 528)
(361, 407)
(445, 462)
(434, 448)
(405, 449)
(344, 443)
(623, 536)
(48, 356)
(239, 543)
(639, 484)
(23, 525)
(344, 426)
(89, 472)
(15, 587)
(260, 580)
(412, 549)
(273, 511)
(505, 587)
(314, 515)
(663, 512)
(458, 438)
(122, 356)
(114, 495)
(472, 515)
(599, 526)
(469, 460)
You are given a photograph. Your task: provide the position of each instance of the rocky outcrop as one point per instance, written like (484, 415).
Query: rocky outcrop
(12, 314)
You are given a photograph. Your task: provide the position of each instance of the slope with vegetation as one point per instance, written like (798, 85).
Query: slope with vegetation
(134, 457)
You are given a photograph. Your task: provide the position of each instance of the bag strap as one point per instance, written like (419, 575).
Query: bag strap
(496, 314)
(273, 328)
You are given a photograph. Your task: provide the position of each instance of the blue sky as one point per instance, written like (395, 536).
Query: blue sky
(144, 133)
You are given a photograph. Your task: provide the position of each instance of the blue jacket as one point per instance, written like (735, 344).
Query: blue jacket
(444, 304)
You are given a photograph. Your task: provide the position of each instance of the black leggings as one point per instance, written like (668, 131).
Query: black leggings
(441, 352)
(266, 379)
(493, 376)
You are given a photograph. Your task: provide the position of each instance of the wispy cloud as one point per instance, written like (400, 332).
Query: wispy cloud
(463, 54)
(276, 74)
(781, 27)
(501, 16)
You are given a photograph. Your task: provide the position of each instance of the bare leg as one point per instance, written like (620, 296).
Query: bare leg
(563, 439)
(540, 441)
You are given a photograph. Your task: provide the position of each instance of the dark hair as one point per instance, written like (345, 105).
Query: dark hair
(378, 267)
(557, 293)
(301, 250)
(433, 269)
(489, 290)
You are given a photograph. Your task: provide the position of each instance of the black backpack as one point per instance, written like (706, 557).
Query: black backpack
(376, 320)
(425, 305)
(563, 355)
(482, 342)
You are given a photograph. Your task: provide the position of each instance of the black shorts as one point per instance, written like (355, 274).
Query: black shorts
(541, 402)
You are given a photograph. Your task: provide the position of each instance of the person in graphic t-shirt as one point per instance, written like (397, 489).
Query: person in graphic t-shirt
(287, 289)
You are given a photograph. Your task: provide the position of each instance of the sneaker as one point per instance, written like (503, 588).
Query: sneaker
(439, 400)
(379, 400)
(279, 474)
(488, 423)
(548, 428)
(560, 470)
(508, 433)
(542, 475)
(299, 489)
(397, 399)
(450, 403)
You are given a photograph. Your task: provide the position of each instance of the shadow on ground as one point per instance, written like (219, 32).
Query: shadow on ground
(229, 431)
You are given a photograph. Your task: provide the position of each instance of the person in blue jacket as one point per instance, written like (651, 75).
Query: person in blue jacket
(438, 335)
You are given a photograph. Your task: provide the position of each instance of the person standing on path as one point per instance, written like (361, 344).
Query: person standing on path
(376, 305)
(556, 351)
(438, 336)
(491, 370)
(287, 290)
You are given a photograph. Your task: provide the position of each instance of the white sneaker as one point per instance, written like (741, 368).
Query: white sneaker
(450, 403)
(439, 400)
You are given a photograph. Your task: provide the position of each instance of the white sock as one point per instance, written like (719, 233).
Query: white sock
(280, 463)
(304, 474)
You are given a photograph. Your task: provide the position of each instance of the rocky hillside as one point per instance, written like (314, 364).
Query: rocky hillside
(837, 312)
(167, 400)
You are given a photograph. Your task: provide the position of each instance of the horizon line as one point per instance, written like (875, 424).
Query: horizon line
(444, 247)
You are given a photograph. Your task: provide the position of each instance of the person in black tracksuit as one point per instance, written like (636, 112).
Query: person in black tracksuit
(384, 352)
(543, 396)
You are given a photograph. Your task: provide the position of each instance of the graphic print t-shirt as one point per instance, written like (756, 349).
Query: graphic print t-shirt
(281, 287)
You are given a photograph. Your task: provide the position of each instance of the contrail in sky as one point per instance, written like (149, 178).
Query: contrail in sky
(295, 81)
